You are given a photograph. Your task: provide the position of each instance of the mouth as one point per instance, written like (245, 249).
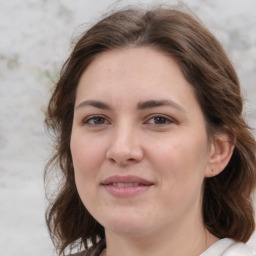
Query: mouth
(126, 186)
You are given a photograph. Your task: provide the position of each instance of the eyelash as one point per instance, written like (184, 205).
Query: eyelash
(164, 120)
(93, 118)
(167, 120)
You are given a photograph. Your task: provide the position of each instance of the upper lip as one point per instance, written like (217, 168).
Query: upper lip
(126, 179)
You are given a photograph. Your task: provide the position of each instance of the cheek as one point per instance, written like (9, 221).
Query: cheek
(87, 154)
(87, 158)
(182, 175)
(182, 161)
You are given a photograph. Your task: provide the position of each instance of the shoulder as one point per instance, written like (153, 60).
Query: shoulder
(93, 251)
(238, 249)
(229, 247)
(83, 253)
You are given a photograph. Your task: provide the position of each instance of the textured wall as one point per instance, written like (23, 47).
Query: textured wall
(34, 41)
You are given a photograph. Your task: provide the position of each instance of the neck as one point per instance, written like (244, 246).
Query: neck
(182, 242)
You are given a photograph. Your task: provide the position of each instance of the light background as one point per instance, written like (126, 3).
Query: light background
(35, 38)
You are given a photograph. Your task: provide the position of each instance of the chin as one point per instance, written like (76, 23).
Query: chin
(125, 225)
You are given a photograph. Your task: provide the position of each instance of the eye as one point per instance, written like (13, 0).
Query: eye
(159, 120)
(95, 121)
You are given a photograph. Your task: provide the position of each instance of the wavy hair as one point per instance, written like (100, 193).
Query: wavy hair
(227, 203)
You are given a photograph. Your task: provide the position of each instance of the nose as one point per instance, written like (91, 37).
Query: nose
(124, 147)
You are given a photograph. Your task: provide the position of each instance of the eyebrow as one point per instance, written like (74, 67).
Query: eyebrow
(159, 103)
(94, 103)
(141, 105)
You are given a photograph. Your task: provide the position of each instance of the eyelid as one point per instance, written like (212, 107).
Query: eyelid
(85, 121)
(169, 119)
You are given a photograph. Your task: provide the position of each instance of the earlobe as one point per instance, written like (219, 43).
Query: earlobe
(221, 150)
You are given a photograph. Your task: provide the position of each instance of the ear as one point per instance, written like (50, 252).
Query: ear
(221, 150)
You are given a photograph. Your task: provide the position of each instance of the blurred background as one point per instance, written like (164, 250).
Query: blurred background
(35, 37)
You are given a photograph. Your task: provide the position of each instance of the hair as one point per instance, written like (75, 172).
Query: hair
(227, 202)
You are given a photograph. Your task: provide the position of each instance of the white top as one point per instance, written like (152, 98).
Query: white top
(224, 247)
(229, 247)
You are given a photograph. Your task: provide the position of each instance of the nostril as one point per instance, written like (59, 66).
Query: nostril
(121, 161)
(112, 160)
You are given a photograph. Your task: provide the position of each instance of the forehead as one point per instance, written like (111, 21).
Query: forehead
(128, 76)
(142, 62)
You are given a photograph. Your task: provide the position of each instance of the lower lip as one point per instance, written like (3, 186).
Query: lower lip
(126, 191)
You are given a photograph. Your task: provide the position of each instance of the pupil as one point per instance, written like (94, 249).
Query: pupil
(98, 120)
(160, 120)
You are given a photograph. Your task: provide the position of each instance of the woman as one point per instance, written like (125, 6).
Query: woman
(155, 154)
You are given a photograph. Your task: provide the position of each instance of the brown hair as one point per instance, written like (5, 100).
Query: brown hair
(227, 205)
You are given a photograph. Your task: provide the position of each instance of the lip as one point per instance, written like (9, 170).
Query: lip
(126, 186)
(126, 179)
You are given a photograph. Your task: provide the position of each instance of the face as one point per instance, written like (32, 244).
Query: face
(139, 144)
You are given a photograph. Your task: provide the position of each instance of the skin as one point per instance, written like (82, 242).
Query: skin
(167, 145)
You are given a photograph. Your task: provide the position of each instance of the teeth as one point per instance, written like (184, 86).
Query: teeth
(124, 185)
